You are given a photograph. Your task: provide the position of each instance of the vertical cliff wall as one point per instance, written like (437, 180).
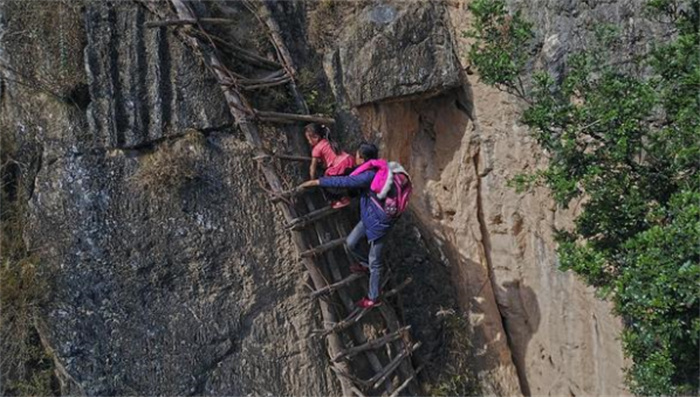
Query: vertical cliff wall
(169, 270)
(535, 329)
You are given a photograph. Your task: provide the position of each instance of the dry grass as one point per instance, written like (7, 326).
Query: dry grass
(43, 39)
(456, 377)
(25, 367)
(324, 22)
(173, 166)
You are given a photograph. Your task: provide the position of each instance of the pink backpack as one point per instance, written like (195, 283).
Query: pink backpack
(396, 200)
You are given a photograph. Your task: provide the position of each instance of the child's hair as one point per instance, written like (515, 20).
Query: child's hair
(322, 131)
(368, 151)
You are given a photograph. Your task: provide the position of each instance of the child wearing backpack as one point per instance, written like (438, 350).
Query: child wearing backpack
(391, 184)
(327, 152)
(378, 215)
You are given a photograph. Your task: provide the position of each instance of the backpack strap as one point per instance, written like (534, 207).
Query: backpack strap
(387, 184)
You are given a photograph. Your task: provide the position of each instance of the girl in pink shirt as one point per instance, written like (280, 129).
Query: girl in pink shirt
(327, 152)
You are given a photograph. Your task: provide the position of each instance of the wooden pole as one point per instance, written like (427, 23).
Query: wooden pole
(264, 15)
(351, 319)
(285, 194)
(283, 157)
(407, 382)
(236, 103)
(311, 217)
(330, 288)
(267, 84)
(180, 22)
(292, 117)
(372, 344)
(249, 56)
(323, 247)
(379, 378)
(398, 288)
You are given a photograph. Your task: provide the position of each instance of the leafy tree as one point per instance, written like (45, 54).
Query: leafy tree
(626, 136)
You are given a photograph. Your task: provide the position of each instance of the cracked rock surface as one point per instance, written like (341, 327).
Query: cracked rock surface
(397, 49)
(171, 273)
(188, 289)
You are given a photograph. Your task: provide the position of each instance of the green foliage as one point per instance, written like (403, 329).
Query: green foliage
(630, 144)
(660, 289)
(501, 59)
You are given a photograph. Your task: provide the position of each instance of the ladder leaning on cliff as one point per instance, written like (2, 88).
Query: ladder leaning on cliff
(393, 370)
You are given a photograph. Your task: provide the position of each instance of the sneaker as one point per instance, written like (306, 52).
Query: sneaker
(343, 202)
(357, 268)
(367, 303)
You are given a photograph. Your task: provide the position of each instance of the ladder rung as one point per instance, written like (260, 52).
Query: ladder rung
(330, 288)
(292, 117)
(351, 378)
(323, 247)
(355, 316)
(398, 288)
(271, 76)
(389, 369)
(282, 157)
(310, 218)
(372, 344)
(288, 193)
(357, 391)
(243, 53)
(172, 22)
(407, 381)
(266, 84)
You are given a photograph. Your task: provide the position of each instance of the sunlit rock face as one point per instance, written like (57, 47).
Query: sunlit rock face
(536, 330)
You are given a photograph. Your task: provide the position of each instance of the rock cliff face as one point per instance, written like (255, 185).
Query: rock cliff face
(171, 273)
(394, 50)
(536, 330)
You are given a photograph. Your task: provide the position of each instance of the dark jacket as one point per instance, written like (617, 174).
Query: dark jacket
(376, 221)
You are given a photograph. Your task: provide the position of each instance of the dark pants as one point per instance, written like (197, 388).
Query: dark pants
(373, 261)
(334, 193)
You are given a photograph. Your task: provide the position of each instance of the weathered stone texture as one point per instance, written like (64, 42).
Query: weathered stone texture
(537, 330)
(193, 291)
(143, 85)
(396, 49)
(190, 290)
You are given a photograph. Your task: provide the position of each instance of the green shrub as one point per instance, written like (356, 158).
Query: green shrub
(629, 143)
(500, 62)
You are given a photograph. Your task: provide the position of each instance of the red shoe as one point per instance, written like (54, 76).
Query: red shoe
(357, 268)
(343, 202)
(367, 303)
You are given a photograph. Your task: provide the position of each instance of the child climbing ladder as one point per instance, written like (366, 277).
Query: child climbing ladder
(384, 196)
(388, 357)
(327, 152)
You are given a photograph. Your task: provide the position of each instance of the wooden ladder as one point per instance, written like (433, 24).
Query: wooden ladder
(318, 233)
